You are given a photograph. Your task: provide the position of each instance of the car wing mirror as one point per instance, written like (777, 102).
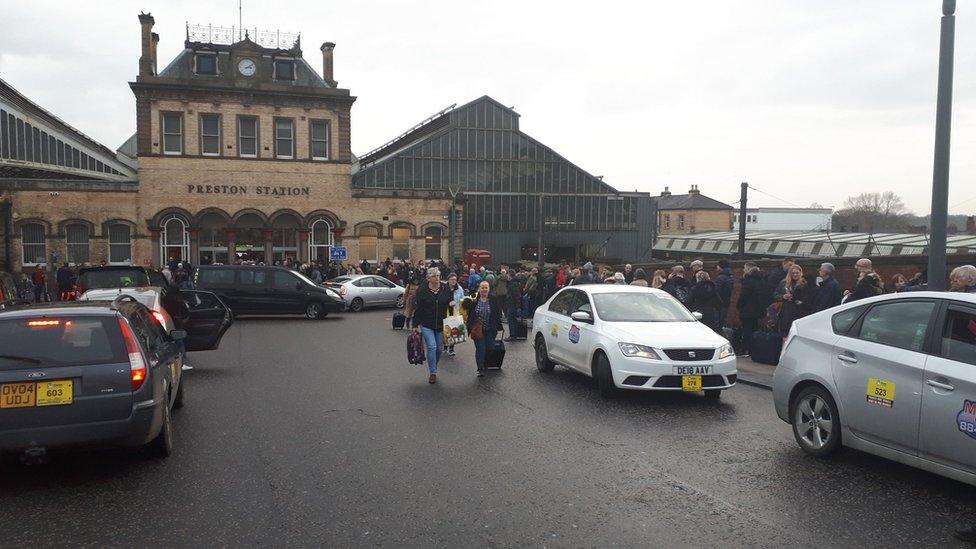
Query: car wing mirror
(581, 316)
(178, 335)
(697, 315)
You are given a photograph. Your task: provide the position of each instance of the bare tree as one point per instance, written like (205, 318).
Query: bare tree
(873, 212)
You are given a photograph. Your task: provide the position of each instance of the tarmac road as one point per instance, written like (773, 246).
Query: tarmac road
(301, 433)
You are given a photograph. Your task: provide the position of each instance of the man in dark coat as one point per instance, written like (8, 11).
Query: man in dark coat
(829, 295)
(678, 286)
(777, 275)
(754, 297)
(723, 285)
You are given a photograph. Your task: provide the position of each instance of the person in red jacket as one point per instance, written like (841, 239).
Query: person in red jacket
(560, 276)
(40, 282)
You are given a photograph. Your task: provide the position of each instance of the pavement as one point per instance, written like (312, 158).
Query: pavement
(755, 373)
(318, 433)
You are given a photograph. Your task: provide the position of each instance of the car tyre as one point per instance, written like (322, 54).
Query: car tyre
(178, 402)
(815, 421)
(314, 310)
(356, 305)
(542, 361)
(713, 394)
(604, 377)
(162, 445)
(399, 301)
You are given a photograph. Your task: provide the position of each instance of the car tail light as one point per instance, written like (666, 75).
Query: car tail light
(158, 316)
(342, 291)
(137, 365)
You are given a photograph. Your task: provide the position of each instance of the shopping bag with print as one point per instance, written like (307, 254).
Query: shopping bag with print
(454, 330)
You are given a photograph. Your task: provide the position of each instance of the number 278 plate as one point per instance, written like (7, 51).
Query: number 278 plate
(691, 383)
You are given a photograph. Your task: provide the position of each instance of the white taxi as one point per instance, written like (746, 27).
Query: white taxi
(631, 337)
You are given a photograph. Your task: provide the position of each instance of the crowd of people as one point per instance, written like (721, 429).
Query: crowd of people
(769, 301)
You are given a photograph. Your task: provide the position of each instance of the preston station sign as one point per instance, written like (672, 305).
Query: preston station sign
(260, 190)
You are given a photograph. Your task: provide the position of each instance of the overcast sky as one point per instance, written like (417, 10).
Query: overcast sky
(809, 101)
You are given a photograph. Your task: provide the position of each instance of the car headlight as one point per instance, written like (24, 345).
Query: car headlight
(725, 351)
(639, 351)
(331, 293)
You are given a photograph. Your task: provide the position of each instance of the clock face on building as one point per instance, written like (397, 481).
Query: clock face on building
(246, 67)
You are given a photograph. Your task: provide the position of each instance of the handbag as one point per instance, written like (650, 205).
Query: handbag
(477, 331)
(415, 349)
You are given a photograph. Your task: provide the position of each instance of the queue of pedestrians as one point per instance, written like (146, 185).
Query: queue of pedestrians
(767, 303)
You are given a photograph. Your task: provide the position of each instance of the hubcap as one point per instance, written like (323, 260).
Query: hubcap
(540, 354)
(312, 311)
(813, 422)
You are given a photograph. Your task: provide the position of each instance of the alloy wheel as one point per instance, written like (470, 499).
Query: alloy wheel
(813, 421)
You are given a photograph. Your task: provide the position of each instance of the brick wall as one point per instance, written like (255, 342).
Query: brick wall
(696, 221)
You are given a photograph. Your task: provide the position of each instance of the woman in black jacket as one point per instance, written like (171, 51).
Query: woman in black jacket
(486, 310)
(705, 300)
(796, 294)
(429, 311)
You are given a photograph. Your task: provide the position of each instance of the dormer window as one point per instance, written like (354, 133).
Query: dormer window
(284, 69)
(206, 63)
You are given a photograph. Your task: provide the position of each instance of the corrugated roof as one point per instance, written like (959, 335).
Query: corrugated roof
(813, 244)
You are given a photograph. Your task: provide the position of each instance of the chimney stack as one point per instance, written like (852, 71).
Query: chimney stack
(693, 190)
(665, 192)
(327, 64)
(146, 59)
(155, 40)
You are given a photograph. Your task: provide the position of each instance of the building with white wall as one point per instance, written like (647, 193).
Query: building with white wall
(785, 219)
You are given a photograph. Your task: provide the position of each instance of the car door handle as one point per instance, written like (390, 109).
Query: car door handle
(940, 385)
(847, 358)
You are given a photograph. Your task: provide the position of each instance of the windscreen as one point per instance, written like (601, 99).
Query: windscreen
(63, 341)
(640, 307)
(113, 278)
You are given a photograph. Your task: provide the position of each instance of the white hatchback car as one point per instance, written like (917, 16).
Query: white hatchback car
(893, 375)
(631, 337)
(361, 291)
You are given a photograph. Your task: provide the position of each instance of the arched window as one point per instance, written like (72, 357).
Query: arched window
(76, 237)
(174, 240)
(33, 246)
(401, 242)
(432, 243)
(367, 242)
(119, 244)
(320, 240)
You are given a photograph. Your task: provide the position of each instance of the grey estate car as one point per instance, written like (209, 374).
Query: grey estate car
(893, 375)
(93, 374)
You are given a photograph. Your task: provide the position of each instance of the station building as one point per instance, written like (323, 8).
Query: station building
(242, 152)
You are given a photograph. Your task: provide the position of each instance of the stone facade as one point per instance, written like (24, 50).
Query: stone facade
(692, 221)
(223, 206)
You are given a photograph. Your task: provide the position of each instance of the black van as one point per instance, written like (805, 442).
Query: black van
(253, 290)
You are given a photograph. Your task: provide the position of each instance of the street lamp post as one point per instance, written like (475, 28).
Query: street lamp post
(940, 172)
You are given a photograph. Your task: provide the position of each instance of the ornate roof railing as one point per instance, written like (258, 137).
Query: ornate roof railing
(210, 34)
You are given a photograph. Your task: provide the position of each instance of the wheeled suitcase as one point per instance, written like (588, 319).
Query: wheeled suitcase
(399, 320)
(495, 354)
(765, 347)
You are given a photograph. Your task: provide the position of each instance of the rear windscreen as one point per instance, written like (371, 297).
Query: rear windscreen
(114, 278)
(61, 341)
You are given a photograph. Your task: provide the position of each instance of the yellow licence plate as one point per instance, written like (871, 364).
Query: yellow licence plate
(29, 394)
(691, 383)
